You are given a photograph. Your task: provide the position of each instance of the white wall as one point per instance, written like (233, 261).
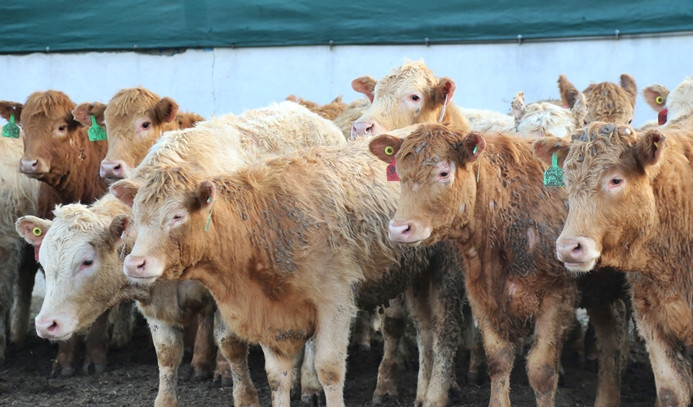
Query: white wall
(231, 80)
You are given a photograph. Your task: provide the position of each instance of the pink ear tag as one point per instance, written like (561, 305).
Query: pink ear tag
(392, 171)
(662, 116)
(36, 251)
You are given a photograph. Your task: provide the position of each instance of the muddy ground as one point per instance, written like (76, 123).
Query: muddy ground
(131, 379)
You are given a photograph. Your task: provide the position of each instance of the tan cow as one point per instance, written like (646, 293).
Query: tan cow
(606, 101)
(82, 252)
(19, 197)
(310, 230)
(656, 96)
(411, 94)
(609, 171)
(680, 104)
(486, 194)
(543, 118)
(329, 111)
(57, 151)
(135, 118)
(343, 115)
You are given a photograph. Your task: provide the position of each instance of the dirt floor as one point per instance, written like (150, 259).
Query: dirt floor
(131, 380)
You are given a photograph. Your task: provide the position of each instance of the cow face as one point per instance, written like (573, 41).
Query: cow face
(407, 95)
(167, 212)
(606, 101)
(135, 118)
(437, 173)
(607, 174)
(54, 141)
(78, 252)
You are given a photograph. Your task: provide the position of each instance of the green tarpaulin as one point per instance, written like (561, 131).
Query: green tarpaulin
(29, 25)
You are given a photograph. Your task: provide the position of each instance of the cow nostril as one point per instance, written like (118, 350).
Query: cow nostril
(577, 248)
(116, 167)
(53, 327)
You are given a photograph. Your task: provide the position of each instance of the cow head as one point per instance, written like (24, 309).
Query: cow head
(79, 252)
(135, 118)
(437, 172)
(168, 210)
(540, 119)
(53, 140)
(407, 95)
(606, 101)
(607, 173)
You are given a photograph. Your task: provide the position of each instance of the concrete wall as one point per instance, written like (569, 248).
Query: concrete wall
(218, 81)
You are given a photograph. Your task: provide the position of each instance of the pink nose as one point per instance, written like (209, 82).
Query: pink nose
(28, 166)
(573, 249)
(135, 266)
(112, 169)
(48, 327)
(362, 128)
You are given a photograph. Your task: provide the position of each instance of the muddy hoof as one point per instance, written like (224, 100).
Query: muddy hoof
(379, 400)
(223, 380)
(477, 378)
(63, 372)
(201, 375)
(454, 396)
(310, 400)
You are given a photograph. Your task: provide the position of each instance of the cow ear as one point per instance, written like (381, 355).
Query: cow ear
(649, 147)
(338, 99)
(385, 147)
(471, 146)
(569, 93)
(517, 107)
(32, 228)
(11, 108)
(366, 85)
(444, 91)
(656, 96)
(125, 190)
(579, 109)
(628, 84)
(117, 230)
(544, 148)
(83, 112)
(206, 193)
(165, 110)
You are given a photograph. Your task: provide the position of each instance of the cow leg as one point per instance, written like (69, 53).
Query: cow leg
(670, 364)
(121, 317)
(500, 355)
(280, 369)
(21, 307)
(168, 343)
(543, 360)
(392, 328)
(236, 353)
(311, 390)
(66, 356)
(331, 342)
(363, 326)
(8, 276)
(203, 350)
(611, 329)
(97, 345)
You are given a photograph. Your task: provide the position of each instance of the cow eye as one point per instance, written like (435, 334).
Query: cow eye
(62, 128)
(87, 262)
(616, 181)
(146, 125)
(414, 97)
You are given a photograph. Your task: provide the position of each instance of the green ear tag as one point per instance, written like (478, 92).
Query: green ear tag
(96, 132)
(10, 129)
(553, 177)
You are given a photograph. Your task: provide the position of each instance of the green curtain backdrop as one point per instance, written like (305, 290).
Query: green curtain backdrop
(77, 25)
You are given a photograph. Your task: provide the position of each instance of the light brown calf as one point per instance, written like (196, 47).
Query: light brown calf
(544, 118)
(606, 101)
(610, 171)
(486, 194)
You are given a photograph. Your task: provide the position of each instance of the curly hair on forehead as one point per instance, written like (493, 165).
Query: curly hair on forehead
(41, 103)
(163, 182)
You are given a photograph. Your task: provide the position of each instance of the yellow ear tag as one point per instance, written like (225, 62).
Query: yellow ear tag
(389, 150)
(37, 231)
(659, 100)
(656, 145)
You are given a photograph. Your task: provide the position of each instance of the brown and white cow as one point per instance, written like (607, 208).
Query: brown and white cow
(289, 245)
(486, 194)
(135, 118)
(411, 94)
(82, 252)
(606, 101)
(19, 197)
(610, 171)
(57, 151)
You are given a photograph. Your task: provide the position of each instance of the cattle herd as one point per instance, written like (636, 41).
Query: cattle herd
(288, 225)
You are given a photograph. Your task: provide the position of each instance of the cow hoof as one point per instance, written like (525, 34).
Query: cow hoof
(224, 380)
(309, 400)
(64, 372)
(379, 400)
(202, 375)
(475, 378)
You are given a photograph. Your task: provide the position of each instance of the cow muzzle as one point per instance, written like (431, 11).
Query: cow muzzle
(113, 170)
(578, 253)
(31, 166)
(366, 128)
(142, 270)
(57, 327)
(409, 232)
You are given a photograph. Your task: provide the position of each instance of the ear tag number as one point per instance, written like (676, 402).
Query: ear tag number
(553, 177)
(96, 132)
(10, 130)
